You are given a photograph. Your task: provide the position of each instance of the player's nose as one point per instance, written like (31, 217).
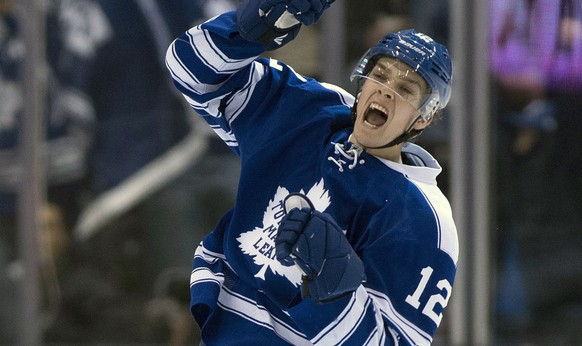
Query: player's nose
(386, 92)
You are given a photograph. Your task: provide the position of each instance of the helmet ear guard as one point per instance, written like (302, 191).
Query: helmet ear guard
(429, 108)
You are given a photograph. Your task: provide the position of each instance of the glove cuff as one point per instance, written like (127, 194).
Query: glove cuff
(328, 286)
(275, 38)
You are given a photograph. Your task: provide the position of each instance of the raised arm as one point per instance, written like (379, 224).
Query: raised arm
(215, 65)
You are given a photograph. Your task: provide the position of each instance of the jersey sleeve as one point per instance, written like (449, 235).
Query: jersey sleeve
(247, 100)
(410, 267)
(213, 67)
(410, 284)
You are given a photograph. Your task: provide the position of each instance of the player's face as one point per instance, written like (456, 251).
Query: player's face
(388, 103)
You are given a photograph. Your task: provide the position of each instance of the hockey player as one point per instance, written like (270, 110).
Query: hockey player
(339, 234)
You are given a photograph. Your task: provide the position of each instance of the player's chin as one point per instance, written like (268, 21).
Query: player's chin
(367, 139)
(365, 132)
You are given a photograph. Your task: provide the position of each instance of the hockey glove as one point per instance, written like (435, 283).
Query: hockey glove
(315, 243)
(308, 11)
(274, 23)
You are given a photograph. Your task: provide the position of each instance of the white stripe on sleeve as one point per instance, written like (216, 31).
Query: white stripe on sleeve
(211, 55)
(258, 314)
(408, 330)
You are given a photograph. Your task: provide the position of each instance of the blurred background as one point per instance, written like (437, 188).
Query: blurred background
(108, 181)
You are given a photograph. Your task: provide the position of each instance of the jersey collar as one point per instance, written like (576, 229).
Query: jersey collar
(426, 174)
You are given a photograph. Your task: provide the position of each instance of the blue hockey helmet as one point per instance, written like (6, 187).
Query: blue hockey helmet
(425, 56)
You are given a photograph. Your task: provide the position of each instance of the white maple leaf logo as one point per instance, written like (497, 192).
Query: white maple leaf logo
(260, 242)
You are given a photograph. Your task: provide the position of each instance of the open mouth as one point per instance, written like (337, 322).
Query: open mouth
(376, 115)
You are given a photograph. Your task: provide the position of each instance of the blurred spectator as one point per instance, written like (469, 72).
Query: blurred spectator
(70, 116)
(432, 17)
(135, 267)
(359, 16)
(111, 114)
(536, 59)
(69, 123)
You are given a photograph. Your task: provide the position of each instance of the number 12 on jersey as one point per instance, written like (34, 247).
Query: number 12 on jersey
(441, 299)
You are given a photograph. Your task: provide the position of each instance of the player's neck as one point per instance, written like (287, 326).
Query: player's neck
(392, 153)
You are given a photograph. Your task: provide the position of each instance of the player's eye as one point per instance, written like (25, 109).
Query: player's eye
(379, 75)
(407, 92)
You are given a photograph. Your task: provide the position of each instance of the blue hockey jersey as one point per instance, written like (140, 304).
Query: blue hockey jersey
(292, 135)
